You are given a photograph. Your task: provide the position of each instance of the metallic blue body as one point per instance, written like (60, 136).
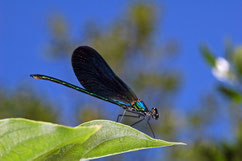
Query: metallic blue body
(138, 105)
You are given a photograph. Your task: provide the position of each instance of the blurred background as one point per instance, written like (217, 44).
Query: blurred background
(184, 58)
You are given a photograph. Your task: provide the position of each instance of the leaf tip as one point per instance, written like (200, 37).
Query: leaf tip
(181, 143)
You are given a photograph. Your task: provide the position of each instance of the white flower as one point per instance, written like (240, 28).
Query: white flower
(221, 69)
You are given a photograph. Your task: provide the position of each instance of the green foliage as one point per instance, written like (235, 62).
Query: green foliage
(31, 140)
(208, 56)
(211, 148)
(24, 103)
(230, 93)
(60, 43)
(169, 82)
(210, 151)
(231, 72)
(237, 59)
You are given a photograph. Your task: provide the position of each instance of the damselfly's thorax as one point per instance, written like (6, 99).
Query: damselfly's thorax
(140, 106)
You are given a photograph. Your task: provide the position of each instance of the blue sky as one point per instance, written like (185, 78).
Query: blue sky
(24, 36)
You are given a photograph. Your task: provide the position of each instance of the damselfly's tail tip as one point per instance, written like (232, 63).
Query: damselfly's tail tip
(35, 76)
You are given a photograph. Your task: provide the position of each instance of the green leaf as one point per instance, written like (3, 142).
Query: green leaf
(22, 139)
(237, 59)
(208, 55)
(231, 93)
(113, 138)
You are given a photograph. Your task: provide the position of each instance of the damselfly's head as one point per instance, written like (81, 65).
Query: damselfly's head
(154, 113)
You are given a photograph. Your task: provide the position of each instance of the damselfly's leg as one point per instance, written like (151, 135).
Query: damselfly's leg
(122, 115)
(151, 128)
(137, 121)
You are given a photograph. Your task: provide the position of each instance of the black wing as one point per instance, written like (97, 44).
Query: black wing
(97, 77)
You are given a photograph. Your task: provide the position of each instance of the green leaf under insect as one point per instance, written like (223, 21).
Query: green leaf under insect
(22, 139)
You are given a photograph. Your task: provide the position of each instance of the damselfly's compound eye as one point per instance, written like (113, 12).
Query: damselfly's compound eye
(154, 113)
